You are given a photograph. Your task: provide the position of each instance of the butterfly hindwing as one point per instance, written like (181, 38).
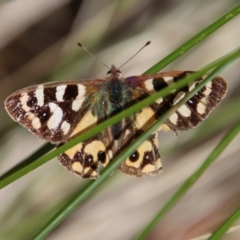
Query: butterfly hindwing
(84, 158)
(145, 160)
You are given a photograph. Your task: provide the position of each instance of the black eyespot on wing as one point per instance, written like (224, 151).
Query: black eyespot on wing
(44, 114)
(32, 102)
(134, 157)
(102, 157)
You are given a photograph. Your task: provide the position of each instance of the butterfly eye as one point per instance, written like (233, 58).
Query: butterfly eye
(109, 72)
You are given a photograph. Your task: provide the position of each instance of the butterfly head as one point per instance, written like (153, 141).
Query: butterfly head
(114, 73)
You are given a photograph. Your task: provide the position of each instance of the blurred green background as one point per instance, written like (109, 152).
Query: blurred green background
(38, 43)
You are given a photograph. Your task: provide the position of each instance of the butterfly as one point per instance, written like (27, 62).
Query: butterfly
(60, 111)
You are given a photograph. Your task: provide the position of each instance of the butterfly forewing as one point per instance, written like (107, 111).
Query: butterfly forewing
(52, 111)
(195, 110)
(61, 111)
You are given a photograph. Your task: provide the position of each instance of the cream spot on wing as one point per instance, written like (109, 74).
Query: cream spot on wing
(30, 116)
(110, 154)
(148, 168)
(145, 118)
(76, 104)
(127, 132)
(93, 148)
(201, 108)
(166, 128)
(204, 100)
(159, 100)
(23, 99)
(65, 127)
(40, 95)
(72, 151)
(191, 86)
(178, 97)
(36, 123)
(60, 91)
(208, 89)
(184, 111)
(77, 167)
(149, 84)
(56, 117)
(81, 90)
(86, 122)
(173, 118)
(169, 80)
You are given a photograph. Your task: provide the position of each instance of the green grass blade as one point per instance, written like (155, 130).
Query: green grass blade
(195, 40)
(189, 182)
(24, 169)
(225, 226)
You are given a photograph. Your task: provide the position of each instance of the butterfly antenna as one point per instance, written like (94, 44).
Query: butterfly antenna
(86, 50)
(146, 44)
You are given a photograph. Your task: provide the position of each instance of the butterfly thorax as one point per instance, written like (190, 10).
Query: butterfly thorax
(117, 96)
(115, 86)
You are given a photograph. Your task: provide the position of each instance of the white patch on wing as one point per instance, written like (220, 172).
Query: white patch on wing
(178, 97)
(65, 127)
(76, 104)
(184, 111)
(56, 117)
(23, 99)
(208, 89)
(81, 91)
(40, 95)
(173, 118)
(201, 108)
(36, 123)
(191, 86)
(159, 100)
(149, 84)
(60, 91)
(169, 80)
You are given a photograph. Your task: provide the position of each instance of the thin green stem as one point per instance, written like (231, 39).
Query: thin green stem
(195, 40)
(225, 226)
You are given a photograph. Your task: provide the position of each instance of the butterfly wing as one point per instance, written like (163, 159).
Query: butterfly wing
(58, 112)
(146, 158)
(194, 111)
(52, 111)
(84, 158)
